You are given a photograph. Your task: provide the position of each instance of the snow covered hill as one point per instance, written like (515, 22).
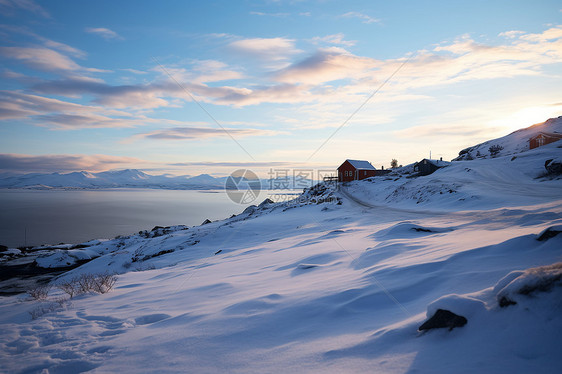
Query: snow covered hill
(514, 143)
(339, 280)
(129, 178)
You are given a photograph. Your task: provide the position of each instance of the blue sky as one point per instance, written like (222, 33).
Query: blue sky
(110, 85)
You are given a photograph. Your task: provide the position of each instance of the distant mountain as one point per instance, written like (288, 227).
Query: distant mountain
(130, 178)
(516, 142)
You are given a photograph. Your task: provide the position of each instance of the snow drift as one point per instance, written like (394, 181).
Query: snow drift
(337, 281)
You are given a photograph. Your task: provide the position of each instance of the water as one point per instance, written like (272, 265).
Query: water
(32, 217)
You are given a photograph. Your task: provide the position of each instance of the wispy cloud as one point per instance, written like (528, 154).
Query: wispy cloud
(271, 49)
(43, 59)
(39, 58)
(191, 133)
(135, 71)
(9, 7)
(333, 39)
(58, 114)
(327, 64)
(263, 14)
(65, 48)
(10, 162)
(104, 33)
(238, 164)
(363, 17)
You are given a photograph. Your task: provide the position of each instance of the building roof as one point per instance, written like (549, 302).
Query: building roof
(361, 165)
(551, 134)
(438, 163)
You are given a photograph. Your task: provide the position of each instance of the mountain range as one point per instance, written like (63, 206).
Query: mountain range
(128, 178)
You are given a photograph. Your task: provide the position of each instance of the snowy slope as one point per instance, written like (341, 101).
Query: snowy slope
(339, 281)
(465, 185)
(514, 143)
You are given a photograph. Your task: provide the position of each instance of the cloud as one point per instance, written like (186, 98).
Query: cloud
(103, 32)
(123, 96)
(22, 163)
(44, 111)
(191, 133)
(202, 71)
(40, 58)
(511, 34)
(43, 59)
(365, 18)
(270, 14)
(135, 71)
(46, 42)
(334, 39)
(269, 49)
(74, 121)
(238, 164)
(63, 47)
(9, 7)
(326, 65)
(279, 93)
(443, 130)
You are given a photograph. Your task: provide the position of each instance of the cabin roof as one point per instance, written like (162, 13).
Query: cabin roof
(551, 134)
(361, 165)
(438, 163)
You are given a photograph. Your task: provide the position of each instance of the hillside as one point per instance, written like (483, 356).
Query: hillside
(338, 281)
(514, 143)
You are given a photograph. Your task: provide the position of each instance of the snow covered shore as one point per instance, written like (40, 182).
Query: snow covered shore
(336, 286)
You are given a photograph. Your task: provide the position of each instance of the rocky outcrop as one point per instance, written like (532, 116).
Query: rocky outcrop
(443, 319)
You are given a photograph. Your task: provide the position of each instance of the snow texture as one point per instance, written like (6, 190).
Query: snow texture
(337, 281)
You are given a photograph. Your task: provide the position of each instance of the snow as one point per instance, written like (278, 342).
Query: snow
(514, 143)
(338, 281)
(131, 178)
(109, 179)
(361, 165)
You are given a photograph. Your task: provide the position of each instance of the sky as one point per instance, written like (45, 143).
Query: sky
(192, 87)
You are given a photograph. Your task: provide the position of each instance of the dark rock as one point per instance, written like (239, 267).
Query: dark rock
(443, 319)
(79, 246)
(249, 210)
(553, 167)
(421, 229)
(219, 251)
(265, 203)
(549, 233)
(546, 278)
(505, 301)
(207, 221)
(3, 248)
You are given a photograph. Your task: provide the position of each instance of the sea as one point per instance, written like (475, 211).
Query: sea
(36, 217)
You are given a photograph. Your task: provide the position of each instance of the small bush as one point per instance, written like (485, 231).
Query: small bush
(99, 283)
(40, 292)
(495, 149)
(43, 309)
(69, 287)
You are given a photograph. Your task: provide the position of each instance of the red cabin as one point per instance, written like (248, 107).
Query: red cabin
(355, 170)
(543, 138)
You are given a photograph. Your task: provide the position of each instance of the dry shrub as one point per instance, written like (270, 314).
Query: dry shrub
(99, 283)
(40, 292)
